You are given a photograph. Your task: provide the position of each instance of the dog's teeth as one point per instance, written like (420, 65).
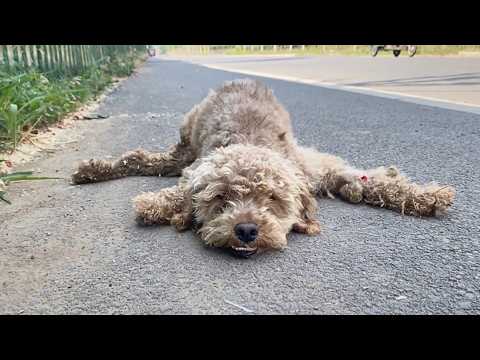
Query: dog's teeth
(240, 248)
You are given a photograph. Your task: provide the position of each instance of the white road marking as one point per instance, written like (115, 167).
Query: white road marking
(238, 306)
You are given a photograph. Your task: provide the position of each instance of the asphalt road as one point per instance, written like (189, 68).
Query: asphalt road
(76, 249)
(454, 79)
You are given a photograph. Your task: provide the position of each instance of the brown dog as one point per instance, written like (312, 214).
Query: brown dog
(245, 183)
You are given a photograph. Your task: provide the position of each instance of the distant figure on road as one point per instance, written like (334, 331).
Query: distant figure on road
(151, 52)
(397, 49)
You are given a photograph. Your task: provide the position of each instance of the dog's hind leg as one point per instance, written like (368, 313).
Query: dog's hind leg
(331, 175)
(387, 187)
(135, 163)
(383, 186)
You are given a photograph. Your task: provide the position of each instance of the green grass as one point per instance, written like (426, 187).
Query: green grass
(30, 98)
(6, 179)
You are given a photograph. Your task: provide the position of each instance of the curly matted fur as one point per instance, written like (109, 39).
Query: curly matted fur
(240, 164)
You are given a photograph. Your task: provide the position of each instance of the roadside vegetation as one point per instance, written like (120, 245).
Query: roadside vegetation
(7, 178)
(32, 98)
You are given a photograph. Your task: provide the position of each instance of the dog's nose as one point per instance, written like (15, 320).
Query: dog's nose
(246, 232)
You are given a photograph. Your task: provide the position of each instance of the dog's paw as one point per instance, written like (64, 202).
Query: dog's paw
(144, 222)
(309, 227)
(152, 208)
(91, 171)
(392, 171)
(443, 198)
(83, 173)
(181, 222)
(352, 192)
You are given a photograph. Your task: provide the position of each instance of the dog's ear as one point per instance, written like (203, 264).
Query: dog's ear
(168, 206)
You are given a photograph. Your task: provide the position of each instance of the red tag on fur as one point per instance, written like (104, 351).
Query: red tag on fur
(364, 178)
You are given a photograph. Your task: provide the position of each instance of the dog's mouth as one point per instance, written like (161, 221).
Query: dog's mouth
(243, 251)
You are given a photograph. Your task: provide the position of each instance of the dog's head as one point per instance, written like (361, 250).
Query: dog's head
(247, 198)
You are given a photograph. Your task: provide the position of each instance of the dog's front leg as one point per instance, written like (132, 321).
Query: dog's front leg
(135, 163)
(168, 206)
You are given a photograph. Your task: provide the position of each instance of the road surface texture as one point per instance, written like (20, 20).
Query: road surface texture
(454, 79)
(77, 249)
